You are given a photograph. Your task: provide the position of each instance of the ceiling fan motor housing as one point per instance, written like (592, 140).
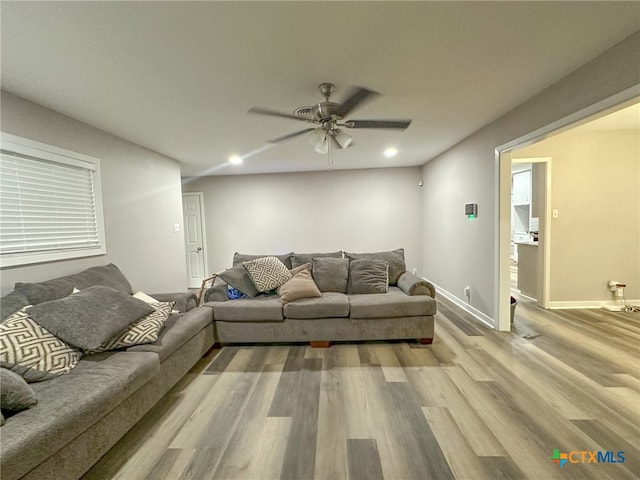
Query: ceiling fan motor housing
(325, 111)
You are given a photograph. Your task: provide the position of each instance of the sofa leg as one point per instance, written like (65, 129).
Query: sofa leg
(426, 341)
(319, 344)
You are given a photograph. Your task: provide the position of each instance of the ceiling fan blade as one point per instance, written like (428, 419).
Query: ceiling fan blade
(356, 97)
(290, 135)
(395, 124)
(273, 113)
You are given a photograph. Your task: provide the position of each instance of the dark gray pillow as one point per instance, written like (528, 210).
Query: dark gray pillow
(331, 274)
(298, 259)
(106, 275)
(11, 303)
(239, 278)
(243, 257)
(368, 276)
(91, 317)
(15, 394)
(395, 258)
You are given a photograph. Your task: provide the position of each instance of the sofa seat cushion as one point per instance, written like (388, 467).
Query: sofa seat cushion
(329, 305)
(70, 404)
(179, 329)
(265, 308)
(394, 303)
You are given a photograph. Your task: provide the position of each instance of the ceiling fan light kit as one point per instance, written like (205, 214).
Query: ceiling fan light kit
(327, 116)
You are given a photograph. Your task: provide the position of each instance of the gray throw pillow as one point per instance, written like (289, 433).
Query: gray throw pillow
(15, 394)
(145, 330)
(331, 274)
(239, 278)
(91, 317)
(368, 276)
(298, 259)
(395, 258)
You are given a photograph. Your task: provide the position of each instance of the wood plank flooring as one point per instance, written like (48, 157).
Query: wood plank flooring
(476, 404)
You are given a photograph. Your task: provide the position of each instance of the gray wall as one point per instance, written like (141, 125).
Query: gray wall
(596, 238)
(459, 252)
(358, 211)
(141, 196)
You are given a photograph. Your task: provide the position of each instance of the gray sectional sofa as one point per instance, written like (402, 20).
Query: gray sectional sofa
(404, 308)
(80, 415)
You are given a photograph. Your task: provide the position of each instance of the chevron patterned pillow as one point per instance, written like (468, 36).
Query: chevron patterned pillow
(267, 273)
(145, 330)
(33, 352)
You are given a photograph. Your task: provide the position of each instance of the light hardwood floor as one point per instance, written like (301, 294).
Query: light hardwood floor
(476, 404)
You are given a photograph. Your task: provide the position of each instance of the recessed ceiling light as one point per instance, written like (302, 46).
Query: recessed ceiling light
(390, 152)
(235, 160)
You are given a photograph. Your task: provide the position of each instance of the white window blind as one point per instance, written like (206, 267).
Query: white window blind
(48, 209)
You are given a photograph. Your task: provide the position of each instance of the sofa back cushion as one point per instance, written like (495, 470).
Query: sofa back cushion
(244, 257)
(331, 274)
(298, 259)
(11, 303)
(395, 258)
(105, 275)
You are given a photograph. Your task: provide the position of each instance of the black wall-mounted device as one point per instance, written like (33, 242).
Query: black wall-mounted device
(471, 210)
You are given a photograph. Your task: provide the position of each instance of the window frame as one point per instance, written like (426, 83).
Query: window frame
(40, 151)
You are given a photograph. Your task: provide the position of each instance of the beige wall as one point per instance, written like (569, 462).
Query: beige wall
(595, 188)
(458, 252)
(141, 196)
(363, 210)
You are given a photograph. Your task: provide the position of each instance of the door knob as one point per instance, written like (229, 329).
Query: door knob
(199, 248)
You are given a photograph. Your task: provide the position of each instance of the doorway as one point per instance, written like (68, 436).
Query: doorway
(194, 238)
(531, 229)
(503, 194)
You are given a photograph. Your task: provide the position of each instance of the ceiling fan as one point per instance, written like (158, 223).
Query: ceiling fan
(328, 116)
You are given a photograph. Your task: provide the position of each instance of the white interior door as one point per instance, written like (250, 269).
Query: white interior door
(192, 207)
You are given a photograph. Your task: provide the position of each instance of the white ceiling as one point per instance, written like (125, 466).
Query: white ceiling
(179, 77)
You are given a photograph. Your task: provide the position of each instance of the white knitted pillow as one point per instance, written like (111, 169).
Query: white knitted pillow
(267, 273)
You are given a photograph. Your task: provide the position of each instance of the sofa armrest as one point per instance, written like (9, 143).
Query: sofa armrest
(413, 285)
(216, 293)
(185, 301)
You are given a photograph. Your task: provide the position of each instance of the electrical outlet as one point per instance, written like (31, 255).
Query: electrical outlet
(414, 270)
(176, 227)
(467, 292)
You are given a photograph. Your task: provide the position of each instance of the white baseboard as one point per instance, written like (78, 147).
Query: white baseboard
(589, 304)
(482, 317)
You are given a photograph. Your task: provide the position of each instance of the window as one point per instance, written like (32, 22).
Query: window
(50, 203)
